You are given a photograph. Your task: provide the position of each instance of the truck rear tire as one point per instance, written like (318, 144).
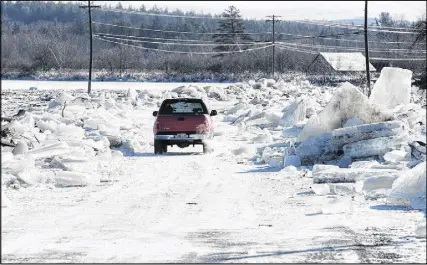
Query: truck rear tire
(159, 147)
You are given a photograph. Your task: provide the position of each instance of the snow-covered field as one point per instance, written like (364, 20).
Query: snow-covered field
(70, 196)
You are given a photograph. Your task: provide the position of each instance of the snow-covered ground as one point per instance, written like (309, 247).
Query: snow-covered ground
(72, 198)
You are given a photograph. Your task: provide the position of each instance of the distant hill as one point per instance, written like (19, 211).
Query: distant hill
(361, 21)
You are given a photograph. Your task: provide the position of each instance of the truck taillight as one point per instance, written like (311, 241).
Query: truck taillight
(156, 127)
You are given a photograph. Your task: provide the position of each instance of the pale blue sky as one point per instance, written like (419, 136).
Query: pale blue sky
(291, 10)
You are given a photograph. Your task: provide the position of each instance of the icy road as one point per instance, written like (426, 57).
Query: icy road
(190, 207)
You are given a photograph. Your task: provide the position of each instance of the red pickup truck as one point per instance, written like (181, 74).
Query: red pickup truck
(182, 122)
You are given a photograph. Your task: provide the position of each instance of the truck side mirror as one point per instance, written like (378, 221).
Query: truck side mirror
(213, 113)
(155, 113)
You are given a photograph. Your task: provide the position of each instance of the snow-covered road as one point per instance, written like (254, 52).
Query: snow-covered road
(190, 207)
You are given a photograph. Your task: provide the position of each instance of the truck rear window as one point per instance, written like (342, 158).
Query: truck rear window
(183, 107)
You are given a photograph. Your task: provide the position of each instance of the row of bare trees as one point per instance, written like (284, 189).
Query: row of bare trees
(40, 36)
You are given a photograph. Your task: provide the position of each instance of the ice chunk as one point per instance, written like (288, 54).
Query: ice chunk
(364, 164)
(291, 160)
(342, 189)
(378, 182)
(294, 113)
(21, 148)
(64, 97)
(46, 125)
(316, 150)
(364, 132)
(352, 122)
(30, 176)
(418, 150)
(132, 94)
(263, 138)
(319, 167)
(420, 231)
(411, 187)
(50, 150)
(344, 162)
(373, 147)
(19, 164)
(349, 175)
(321, 189)
(396, 156)
(70, 179)
(347, 102)
(392, 88)
(292, 132)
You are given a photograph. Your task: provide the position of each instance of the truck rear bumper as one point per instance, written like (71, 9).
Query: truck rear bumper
(178, 137)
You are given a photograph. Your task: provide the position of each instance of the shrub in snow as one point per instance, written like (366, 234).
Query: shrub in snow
(410, 188)
(347, 102)
(392, 88)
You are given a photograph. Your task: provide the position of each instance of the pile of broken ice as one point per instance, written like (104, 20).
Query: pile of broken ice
(355, 144)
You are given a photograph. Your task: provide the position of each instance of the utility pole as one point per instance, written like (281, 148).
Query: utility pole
(89, 7)
(368, 75)
(273, 19)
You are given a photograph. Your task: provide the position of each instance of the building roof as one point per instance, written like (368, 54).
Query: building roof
(347, 61)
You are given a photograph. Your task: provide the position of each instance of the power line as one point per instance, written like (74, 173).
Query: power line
(186, 44)
(182, 52)
(152, 38)
(173, 31)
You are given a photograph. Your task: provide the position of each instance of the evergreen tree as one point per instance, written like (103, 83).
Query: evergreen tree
(232, 31)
